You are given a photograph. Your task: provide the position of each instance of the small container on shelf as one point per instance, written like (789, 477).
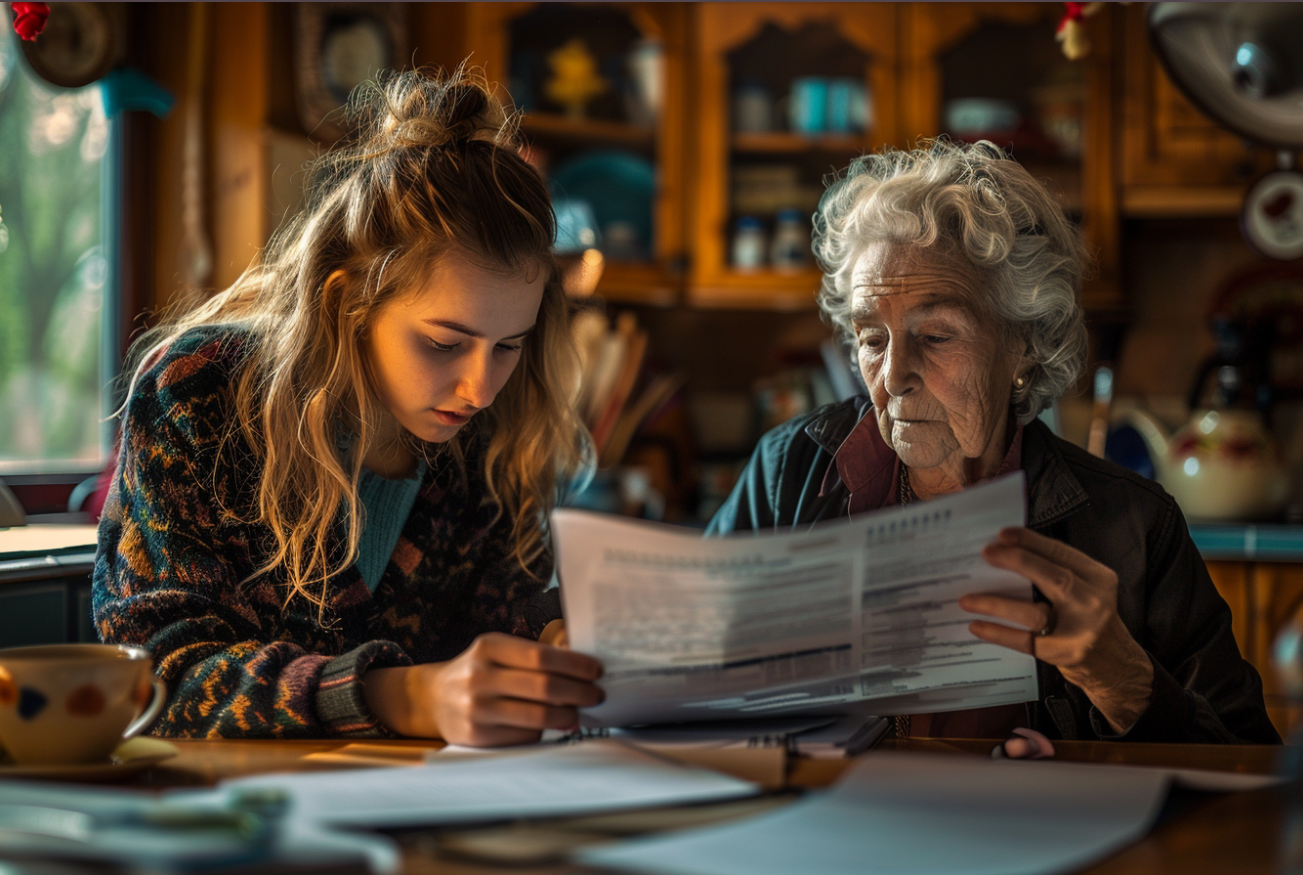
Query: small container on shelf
(753, 109)
(749, 244)
(790, 248)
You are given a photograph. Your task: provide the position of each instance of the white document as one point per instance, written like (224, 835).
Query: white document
(851, 615)
(552, 781)
(914, 814)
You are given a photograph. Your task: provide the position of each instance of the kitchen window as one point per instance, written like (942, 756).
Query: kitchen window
(58, 180)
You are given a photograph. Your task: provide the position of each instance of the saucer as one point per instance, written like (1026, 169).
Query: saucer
(133, 755)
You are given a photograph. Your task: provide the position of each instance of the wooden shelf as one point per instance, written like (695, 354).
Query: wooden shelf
(760, 289)
(1161, 202)
(784, 141)
(559, 127)
(635, 283)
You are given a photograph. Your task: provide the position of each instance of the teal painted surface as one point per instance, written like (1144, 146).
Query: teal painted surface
(1265, 543)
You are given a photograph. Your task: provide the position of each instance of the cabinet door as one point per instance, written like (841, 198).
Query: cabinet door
(783, 95)
(1175, 160)
(602, 89)
(995, 71)
(1278, 600)
(1263, 597)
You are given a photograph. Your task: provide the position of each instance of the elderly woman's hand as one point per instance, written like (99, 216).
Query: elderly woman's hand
(1087, 640)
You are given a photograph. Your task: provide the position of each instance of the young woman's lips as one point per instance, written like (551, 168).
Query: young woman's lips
(447, 417)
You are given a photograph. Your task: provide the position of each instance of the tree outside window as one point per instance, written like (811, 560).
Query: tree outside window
(53, 271)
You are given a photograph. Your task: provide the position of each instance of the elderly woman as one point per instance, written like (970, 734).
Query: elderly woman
(956, 277)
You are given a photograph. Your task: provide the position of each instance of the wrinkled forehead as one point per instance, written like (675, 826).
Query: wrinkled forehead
(916, 278)
(900, 269)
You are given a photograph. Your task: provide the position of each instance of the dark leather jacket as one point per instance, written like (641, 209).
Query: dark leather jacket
(1203, 690)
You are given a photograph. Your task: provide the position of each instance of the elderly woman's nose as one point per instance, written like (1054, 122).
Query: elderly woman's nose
(898, 372)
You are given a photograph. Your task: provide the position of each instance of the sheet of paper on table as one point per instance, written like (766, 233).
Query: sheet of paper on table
(550, 781)
(917, 814)
(854, 615)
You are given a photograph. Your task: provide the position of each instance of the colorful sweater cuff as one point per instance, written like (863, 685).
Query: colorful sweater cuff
(341, 700)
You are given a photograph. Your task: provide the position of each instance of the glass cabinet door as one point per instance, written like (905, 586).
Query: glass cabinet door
(600, 86)
(787, 93)
(994, 71)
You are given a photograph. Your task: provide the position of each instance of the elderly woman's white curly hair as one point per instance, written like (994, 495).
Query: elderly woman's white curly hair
(971, 201)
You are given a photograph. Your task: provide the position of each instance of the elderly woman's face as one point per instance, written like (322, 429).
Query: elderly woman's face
(938, 371)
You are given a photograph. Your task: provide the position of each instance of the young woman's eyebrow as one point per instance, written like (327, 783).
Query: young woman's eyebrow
(468, 331)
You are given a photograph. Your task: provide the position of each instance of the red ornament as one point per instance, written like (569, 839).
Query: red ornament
(29, 19)
(1071, 31)
(1073, 12)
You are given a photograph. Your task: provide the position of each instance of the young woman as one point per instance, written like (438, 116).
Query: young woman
(329, 514)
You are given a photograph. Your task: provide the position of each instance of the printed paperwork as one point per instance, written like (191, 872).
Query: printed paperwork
(551, 781)
(915, 814)
(853, 615)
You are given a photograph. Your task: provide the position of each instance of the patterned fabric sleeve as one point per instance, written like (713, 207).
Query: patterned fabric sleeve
(171, 570)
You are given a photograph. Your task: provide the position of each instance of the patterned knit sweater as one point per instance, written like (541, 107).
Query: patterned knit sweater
(172, 571)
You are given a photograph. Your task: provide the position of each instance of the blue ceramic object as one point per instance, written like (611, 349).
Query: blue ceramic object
(618, 185)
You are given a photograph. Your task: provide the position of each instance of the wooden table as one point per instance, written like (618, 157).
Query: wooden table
(1232, 833)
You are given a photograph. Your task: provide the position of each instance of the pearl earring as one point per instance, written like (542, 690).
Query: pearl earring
(1019, 382)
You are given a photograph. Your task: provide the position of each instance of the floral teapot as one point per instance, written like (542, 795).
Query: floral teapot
(1221, 465)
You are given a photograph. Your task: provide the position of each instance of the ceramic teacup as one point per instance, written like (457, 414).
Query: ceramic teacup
(74, 703)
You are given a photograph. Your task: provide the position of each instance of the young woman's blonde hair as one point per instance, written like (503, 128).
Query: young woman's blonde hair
(433, 171)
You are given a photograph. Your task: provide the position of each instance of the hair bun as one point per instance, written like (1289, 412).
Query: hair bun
(414, 109)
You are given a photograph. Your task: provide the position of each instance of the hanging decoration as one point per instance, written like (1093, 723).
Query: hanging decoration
(30, 18)
(1072, 30)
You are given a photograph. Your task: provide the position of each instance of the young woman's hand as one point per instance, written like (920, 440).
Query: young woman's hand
(501, 690)
(1079, 631)
(555, 633)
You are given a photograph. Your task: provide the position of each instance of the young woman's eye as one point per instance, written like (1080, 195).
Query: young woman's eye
(509, 347)
(444, 347)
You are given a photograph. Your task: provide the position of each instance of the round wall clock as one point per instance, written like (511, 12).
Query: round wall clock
(78, 46)
(1273, 215)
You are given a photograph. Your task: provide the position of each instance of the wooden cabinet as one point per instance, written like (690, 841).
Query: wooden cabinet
(735, 145)
(630, 134)
(960, 62)
(751, 162)
(1175, 161)
(1128, 145)
(1263, 596)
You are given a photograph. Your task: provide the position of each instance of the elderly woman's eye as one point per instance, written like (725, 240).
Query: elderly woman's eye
(935, 338)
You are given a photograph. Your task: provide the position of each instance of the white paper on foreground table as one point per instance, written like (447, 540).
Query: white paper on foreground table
(850, 615)
(914, 814)
(553, 781)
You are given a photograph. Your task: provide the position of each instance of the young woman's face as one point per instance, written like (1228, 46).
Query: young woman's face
(440, 354)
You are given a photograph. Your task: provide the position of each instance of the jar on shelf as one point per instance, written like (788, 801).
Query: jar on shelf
(749, 244)
(790, 248)
(753, 109)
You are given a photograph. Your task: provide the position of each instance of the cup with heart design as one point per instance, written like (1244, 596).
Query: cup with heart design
(63, 704)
